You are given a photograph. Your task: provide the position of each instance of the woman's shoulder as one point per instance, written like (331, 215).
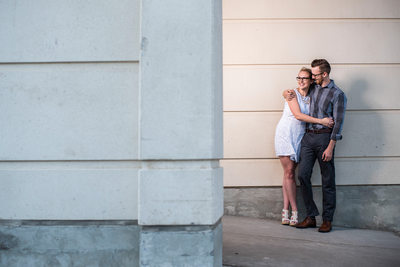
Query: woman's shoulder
(297, 92)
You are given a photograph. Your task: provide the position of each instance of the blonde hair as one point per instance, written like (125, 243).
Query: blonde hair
(306, 70)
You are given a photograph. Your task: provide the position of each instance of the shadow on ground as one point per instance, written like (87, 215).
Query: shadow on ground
(251, 242)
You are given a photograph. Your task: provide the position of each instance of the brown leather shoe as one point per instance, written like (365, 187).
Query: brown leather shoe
(326, 227)
(307, 223)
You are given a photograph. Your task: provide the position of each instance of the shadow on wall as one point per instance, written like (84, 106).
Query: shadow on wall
(360, 202)
(364, 132)
(366, 206)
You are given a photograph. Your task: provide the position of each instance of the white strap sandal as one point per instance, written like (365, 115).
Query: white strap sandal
(294, 219)
(285, 217)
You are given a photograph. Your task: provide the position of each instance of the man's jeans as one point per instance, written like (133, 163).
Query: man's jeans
(312, 148)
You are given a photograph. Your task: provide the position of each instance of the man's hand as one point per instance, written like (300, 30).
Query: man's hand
(327, 155)
(289, 94)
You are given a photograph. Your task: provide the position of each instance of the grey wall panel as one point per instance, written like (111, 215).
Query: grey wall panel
(267, 9)
(299, 41)
(365, 134)
(69, 111)
(349, 171)
(68, 191)
(54, 31)
(259, 88)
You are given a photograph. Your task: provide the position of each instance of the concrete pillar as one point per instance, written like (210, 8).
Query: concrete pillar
(180, 138)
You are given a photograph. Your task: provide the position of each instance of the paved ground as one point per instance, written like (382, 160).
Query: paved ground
(250, 242)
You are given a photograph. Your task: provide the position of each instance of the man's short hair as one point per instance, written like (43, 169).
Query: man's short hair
(323, 65)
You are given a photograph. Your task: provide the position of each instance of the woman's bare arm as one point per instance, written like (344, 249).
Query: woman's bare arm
(295, 108)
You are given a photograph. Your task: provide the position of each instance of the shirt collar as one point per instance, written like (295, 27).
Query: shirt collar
(330, 85)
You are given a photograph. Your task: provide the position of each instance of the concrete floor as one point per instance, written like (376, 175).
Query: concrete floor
(250, 242)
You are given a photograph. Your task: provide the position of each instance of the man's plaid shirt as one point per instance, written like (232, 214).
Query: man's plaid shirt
(331, 102)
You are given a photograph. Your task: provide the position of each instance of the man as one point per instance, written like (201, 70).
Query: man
(327, 100)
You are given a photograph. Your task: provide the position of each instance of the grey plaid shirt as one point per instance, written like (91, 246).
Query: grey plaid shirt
(331, 102)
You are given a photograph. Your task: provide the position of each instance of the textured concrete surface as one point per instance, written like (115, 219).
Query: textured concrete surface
(181, 81)
(372, 207)
(69, 245)
(251, 242)
(96, 190)
(174, 246)
(184, 193)
(90, 111)
(69, 31)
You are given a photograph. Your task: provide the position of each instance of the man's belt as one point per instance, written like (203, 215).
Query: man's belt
(325, 130)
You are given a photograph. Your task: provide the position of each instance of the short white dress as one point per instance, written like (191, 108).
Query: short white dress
(290, 131)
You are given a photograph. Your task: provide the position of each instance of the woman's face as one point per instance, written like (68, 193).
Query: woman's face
(304, 80)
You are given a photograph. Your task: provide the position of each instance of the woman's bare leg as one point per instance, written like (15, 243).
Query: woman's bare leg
(284, 164)
(289, 183)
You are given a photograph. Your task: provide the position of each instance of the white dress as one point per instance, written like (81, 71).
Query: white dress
(290, 131)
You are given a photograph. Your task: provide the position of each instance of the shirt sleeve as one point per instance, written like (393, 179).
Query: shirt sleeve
(339, 110)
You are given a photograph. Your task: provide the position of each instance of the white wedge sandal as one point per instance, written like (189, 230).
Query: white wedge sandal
(285, 217)
(294, 219)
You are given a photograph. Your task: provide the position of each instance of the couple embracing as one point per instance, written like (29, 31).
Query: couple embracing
(311, 124)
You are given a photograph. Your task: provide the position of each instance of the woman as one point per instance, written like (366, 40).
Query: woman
(289, 132)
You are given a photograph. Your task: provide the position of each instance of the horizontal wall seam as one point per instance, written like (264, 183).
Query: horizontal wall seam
(111, 160)
(279, 186)
(68, 222)
(280, 110)
(336, 158)
(310, 19)
(186, 228)
(108, 165)
(69, 62)
(307, 63)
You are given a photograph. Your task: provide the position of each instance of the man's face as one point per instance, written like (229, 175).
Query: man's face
(317, 75)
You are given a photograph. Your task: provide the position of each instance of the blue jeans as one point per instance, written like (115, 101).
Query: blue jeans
(312, 148)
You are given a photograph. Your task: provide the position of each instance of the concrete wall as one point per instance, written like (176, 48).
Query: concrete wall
(360, 206)
(69, 75)
(180, 183)
(69, 117)
(108, 117)
(267, 42)
(36, 244)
